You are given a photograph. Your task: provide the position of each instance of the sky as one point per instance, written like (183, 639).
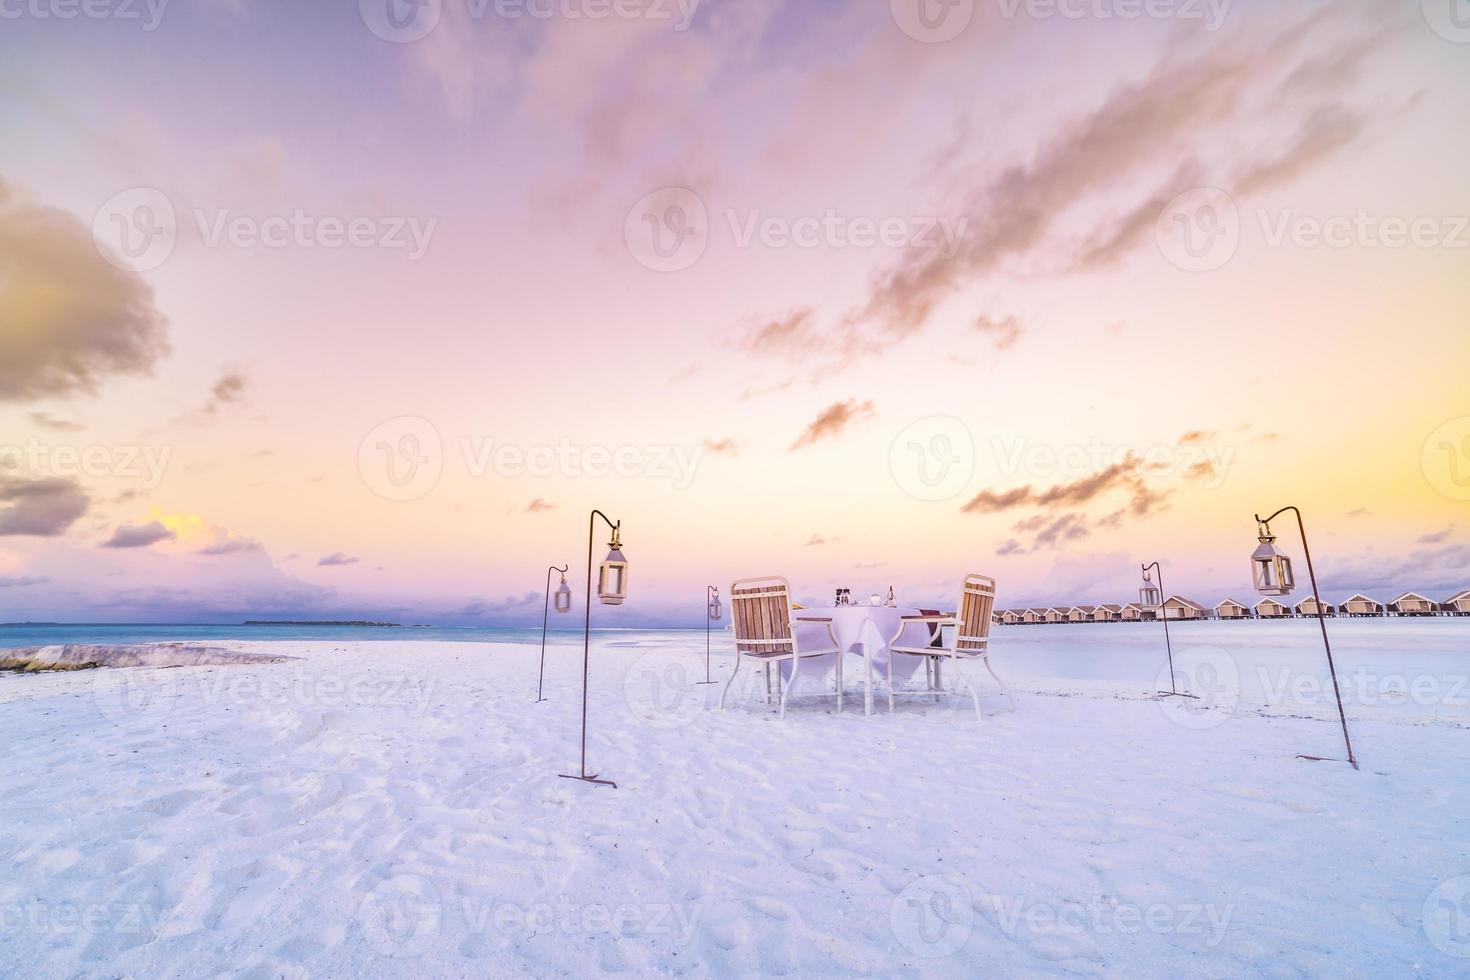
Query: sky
(358, 310)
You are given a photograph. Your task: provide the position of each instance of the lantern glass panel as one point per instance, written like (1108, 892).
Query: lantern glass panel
(716, 609)
(1271, 571)
(564, 598)
(1149, 596)
(612, 580)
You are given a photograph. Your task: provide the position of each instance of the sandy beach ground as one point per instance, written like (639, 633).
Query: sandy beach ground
(393, 809)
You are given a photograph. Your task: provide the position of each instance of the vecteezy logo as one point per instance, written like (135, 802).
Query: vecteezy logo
(1212, 676)
(668, 230)
(400, 21)
(1450, 19)
(402, 459)
(932, 21)
(1446, 459)
(662, 689)
(401, 916)
(1199, 230)
(136, 229)
(933, 459)
(1446, 917)
(135, 695)
(933, 916)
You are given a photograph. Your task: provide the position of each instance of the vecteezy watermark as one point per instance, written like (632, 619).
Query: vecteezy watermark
(670, 229)
(676, 464)
(406, 21)
(402, 459)
(145, 464)
(1211, 676)
(1365, 687)
(662, 688)
(1015, 456)
(933, 458)
(834, 230)
(147, 696)
(61, 919)
(1018, 914)
(138, 229)
(1446, 917)
(401, 917)
(148, 14)
(674, 922)
(932, 21)
(1200, 230)
(1212, 13)
(1450, 19)
(1446, 459)
(933, 916)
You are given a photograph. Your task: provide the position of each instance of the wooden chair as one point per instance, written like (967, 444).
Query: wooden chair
(760, 611)
(970, 640)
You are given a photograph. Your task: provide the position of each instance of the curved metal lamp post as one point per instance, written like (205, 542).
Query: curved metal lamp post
(563, 604)
(1151, 595)
(713, 610)
(612, 589)
(1272, 575)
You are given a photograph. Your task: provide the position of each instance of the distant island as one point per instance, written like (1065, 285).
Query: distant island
(319, 622)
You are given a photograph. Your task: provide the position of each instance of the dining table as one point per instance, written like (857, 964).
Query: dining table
(862, 630)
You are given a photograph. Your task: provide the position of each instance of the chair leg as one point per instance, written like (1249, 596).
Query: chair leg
(726, 689)
(768, 682)
(1010, 702)
(868, 683)
(841, 685)
(891, 656)
(790, 683)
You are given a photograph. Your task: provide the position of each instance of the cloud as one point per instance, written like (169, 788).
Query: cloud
(21, 581)
(1054, 533)
(539, 506)
(815, 541)
(794, 335)
(1124, 474)
(71, 318)
(227, 392)
(1196, 436)
(231, 546)
(833, 421)
(722, 447)
(45, 420)
(1357, 512)
(510, 604)
(1438, 537)
(44, 508)
(1010, 547)
(336, 558)
(1003, 333)
(139, 536)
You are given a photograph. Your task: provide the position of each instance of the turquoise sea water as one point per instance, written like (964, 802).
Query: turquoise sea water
(45, 634)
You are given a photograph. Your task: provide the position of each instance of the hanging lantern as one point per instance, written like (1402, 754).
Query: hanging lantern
(564, 597)
(612, 579)
(716, 611)
(1149, 595)
(1270, 569)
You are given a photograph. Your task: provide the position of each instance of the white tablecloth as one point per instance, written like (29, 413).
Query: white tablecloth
(860, 630)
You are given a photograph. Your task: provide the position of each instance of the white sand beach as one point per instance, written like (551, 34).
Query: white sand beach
(393, 809)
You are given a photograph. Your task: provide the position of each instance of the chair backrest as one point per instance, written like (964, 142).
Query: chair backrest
(760, 609)
(977, 601)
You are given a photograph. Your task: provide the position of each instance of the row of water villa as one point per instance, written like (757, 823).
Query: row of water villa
(1180, 608)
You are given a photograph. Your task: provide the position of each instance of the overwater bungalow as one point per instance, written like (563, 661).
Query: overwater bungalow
(1178, 607)
(1231, 609)
(1361, 605)
(1308, 608)
(1413, 604)
(1271, 609)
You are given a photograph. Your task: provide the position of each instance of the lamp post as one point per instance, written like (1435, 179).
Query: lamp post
(563, 604)
(1272, 575)
(612, 589)
(713, 611)
(1152, 596)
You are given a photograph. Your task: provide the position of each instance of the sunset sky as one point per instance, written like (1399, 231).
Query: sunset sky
(304, 315)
